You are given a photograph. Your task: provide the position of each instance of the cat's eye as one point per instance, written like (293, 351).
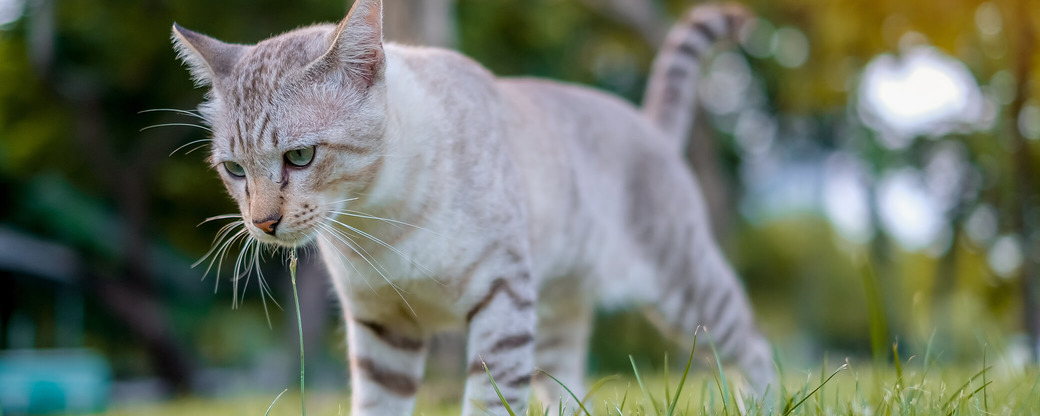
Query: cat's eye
(300, 157)
(234, 169)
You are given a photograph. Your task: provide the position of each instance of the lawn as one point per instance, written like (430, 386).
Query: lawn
(855, 389)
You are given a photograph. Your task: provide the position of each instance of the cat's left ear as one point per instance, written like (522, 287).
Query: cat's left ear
(207, 58)
(356, 46)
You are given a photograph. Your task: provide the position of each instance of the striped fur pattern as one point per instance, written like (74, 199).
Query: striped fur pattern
(444, 198)
(672, 90)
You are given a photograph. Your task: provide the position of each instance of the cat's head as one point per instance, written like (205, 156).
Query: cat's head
(298, 120)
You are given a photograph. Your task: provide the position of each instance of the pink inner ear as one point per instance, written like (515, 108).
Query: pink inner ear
(373, 61)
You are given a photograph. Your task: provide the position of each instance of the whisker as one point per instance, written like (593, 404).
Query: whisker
(177, 124)
(219, 217)
(342, 200)
(237, 273)
(220, 263)
(188, 144)
(216, 242)
(352, 247)
(359, 214)
(344, 257)
(174, 110)
(194, 149)
(421, 268)
(260, 279)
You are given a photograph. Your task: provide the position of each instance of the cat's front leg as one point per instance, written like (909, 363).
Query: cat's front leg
(501, 334)
(386, 367)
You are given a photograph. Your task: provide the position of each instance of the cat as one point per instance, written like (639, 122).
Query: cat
(442, 197)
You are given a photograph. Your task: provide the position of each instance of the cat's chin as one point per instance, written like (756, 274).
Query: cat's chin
(288, 240)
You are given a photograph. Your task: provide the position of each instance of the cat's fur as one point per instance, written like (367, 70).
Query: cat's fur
(509, 207)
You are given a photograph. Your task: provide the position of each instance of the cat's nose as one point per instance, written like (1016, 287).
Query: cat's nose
(268, 224)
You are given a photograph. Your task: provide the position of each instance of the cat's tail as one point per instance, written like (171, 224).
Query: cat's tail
(671, 90)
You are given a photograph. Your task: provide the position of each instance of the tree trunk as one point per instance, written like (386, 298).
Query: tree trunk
(420, 22)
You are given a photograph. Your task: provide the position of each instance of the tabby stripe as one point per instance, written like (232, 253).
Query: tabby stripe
(550, 343)
(467, 274)
(705, 31)
(519, 381)
(239, 137)
(688, 50)
(512, 342)
(350, 148)
(397, 383)
(263, 127)
(725, 335)
(477, 367)
(492, 403)
(392, 339)
(731, 22)
(719, 306)
(499, 284)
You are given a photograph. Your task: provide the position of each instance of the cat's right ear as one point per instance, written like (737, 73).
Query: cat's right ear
(207, 58)
(356, 45)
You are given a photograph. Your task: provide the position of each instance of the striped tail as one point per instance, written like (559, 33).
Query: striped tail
(672, 88)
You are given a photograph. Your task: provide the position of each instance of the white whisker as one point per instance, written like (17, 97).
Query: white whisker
(421, 268)
(175, 125)
(341, 235)
(342, 200)
(174, 110)
(359, 214)
(189, 144)
(220, 217)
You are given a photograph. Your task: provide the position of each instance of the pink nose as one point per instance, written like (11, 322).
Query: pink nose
(268, 224)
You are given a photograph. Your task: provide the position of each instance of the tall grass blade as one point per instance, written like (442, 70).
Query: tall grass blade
(581, 405)
(682, 381)
(499, 392)
(840, 369)
(642, 387)
(876, 311)
(299, 325)
(724, 386)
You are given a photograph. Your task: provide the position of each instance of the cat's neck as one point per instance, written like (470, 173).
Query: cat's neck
(414, 141)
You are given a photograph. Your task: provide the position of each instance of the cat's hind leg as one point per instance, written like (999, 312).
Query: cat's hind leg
(704, 294)
(564, 324)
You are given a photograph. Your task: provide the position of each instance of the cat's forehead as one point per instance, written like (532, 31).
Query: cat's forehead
(267, 67)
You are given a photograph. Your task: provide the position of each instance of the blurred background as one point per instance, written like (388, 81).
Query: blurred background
(870, 167)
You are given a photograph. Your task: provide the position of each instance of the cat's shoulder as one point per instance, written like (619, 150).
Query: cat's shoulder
(437, 63)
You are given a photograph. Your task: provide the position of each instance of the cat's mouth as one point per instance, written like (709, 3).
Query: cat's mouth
(288, 238)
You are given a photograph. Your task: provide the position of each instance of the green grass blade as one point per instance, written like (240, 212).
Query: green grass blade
(840, 369)
(299, 325)
(497, 391)
(642, 387)
(964, 386)
(682, 381)
(718, 361)
(596, 386)
(581, 405)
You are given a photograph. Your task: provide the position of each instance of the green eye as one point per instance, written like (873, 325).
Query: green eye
(300, 157)
(234, 169)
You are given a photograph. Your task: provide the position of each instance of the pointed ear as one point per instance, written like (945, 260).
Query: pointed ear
(207, 58)
(356, 45)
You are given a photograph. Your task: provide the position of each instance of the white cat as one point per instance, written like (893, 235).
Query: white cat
(442, 197)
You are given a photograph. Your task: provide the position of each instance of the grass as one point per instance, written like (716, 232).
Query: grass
(912, 390)
(913, 387)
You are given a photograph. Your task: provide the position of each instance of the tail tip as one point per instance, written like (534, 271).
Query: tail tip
(734, 15)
